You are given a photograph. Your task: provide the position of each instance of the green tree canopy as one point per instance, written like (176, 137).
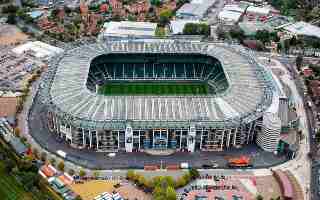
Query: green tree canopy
(196, 29)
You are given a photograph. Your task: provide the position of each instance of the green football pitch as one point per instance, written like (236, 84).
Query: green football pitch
(159, 89)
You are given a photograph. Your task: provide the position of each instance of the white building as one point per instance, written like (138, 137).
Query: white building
(231, 14)
(38, 49)
(127, 28)
(195, 10)
(258, 10)
(303, 29)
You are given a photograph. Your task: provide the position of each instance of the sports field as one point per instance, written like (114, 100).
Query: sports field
(152, 88)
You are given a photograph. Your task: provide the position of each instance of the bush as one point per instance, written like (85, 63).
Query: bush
(82, 173)
(130, 174)
(196, 29)
(61, 166)
(43, 156)
(71, 172)
(194, 173)
(52, 161)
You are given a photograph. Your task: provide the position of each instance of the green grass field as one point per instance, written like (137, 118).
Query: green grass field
(160, 89)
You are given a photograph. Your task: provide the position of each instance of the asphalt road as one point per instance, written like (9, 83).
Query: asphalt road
(311, 122)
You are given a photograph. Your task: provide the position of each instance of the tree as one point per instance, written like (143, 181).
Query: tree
(237, 33)
(259, 197)
(35, 153)
(171, 193)
(194, 173)
(54, 13)
(263, 36)
(17, 131)
(160, 32)
(96, 174)
(221, 33)
(43, 156)
(165, 16)
(71, 172)
(299, 62)
(61, 166)
(11, 18)
(130, 174)
(180, 182)
(132, 18)
(29, 179)
(8, 165)
(82, 173)
(52, 161)
(196, 29)
(156, 3)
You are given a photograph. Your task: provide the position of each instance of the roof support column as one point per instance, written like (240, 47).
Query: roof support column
(222, 139)
(83, 138)
(235, 137)
(90, 139)
(97, 140)
(191, 139)
(228, 138)
(128, 138)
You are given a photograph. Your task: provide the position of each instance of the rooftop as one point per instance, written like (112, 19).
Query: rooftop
(258, 10)
(125, 28)
(8, 106)
(228, 15)
(303, 28)
(40, 49)
(195, 9)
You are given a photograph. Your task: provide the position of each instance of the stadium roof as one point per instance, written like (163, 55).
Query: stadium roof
(125, 28)
(248, 95)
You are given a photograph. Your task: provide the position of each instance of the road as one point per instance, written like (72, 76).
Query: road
(300, 166)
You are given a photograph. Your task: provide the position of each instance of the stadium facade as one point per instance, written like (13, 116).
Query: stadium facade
(229, 114)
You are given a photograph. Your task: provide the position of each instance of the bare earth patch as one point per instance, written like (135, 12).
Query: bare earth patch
(10, 34)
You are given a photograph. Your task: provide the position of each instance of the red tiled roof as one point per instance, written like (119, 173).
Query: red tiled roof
(45, 169)
(307, 72)
(8, 106)
(315, 87)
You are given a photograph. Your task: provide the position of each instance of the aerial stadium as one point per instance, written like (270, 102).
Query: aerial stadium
(156, 95)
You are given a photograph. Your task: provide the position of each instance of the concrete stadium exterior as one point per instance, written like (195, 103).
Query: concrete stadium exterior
(213, 122)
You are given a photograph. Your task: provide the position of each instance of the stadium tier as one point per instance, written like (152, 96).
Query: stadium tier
(135, 95)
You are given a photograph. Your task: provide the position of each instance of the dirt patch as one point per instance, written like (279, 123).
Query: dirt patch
(10, 35)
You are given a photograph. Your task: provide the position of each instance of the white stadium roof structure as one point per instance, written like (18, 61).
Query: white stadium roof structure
(65, 92)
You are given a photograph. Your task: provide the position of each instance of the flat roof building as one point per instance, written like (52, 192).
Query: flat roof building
(39, 49)
(231, 14)
(228, 16)
(196, 9)
(128, 28)
(258, 10)
(303, 28)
